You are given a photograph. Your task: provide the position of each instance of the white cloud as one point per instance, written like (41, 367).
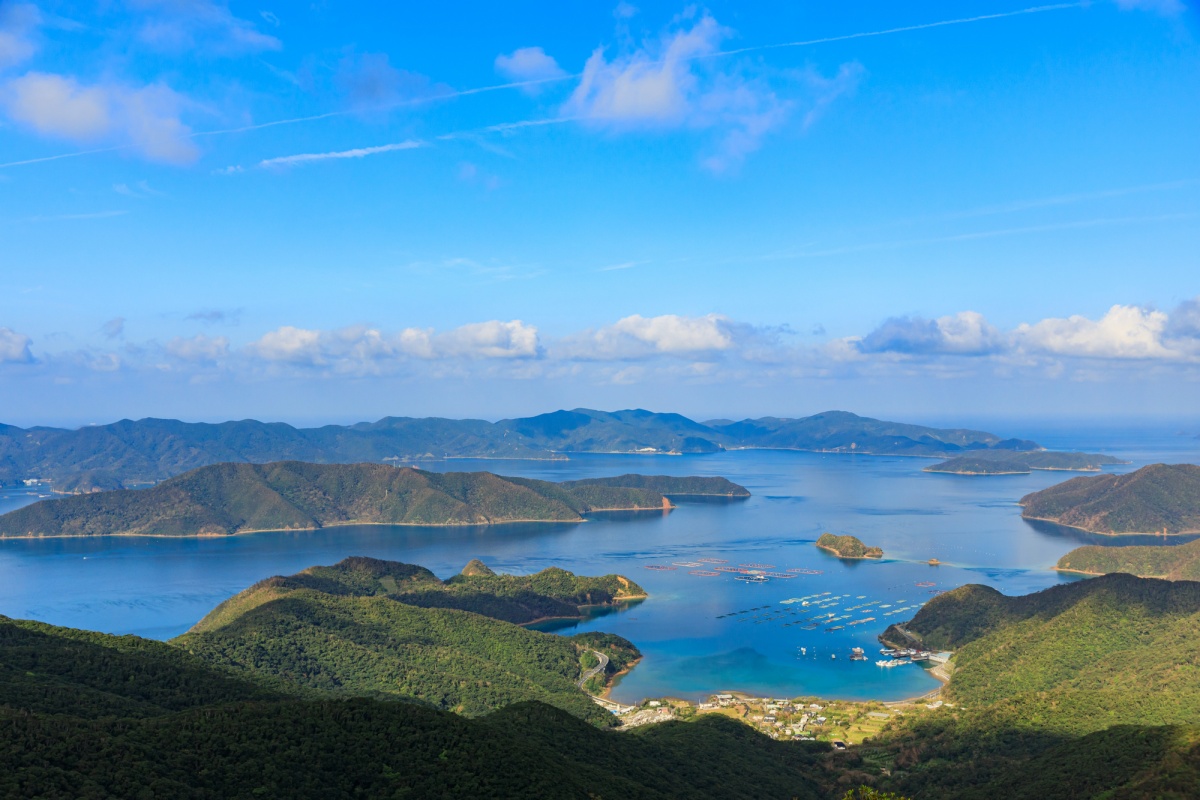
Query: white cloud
(636, 337)
(964, 333)
(529, 64)
(145, 119)
(494, 339)
(1125, 332)
(198, 348)
(18, 27)
(654, 85)
(358, 152)
(289, 344)
(14, 347)
(682, 80)
(180, 26)
(364, 348)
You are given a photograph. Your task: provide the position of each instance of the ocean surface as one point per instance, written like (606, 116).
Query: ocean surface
(699, 633)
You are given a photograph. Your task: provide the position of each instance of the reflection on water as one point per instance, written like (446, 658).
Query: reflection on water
(1080, 537)
(698, 633)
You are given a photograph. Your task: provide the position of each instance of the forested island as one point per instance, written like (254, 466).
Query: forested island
(226, 499)
(1156, 499)
(130, 453)
(1172, 562)
(847, 547)
(1010, 463)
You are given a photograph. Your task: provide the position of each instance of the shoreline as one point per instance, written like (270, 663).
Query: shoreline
(618, 602)
(27, 537)
(1159, 534)
(851, 558)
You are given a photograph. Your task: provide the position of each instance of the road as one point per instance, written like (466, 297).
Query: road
(596, 669)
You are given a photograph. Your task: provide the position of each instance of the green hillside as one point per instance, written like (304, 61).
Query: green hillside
(367, 749)
(1173, 562)
(847, 547)
(46, 669)
(1077, 657)
(381, 628)
(1085, 688)
(1153, 499)
(519, 599)
(225, 499)
(89, 715)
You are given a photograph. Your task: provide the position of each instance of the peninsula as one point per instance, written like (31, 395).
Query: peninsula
(1156, 499)
(847, 547)
(225, 499)
(365, 626)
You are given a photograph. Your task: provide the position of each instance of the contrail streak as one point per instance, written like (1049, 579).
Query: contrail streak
(559, 78)
(904, 29)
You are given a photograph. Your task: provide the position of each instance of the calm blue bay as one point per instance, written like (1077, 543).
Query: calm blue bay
(160, 587)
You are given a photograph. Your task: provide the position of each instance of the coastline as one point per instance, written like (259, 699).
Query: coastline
(850, 558)
(1111, 533)
(617, 602)
(330, 525)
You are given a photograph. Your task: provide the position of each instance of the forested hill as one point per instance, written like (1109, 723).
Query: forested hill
(381, 628)
(1173, 562)
(225, 499)
(1069, 692)
(92, 715)
(148, 450)
(553, 592)
(1159, 498)
(1112, 649)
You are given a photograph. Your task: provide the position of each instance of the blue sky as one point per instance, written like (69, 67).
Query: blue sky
(330, 212)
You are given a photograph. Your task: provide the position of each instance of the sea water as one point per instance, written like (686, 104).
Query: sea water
(699, 634)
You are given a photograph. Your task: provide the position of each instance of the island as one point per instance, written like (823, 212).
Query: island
(993, 462)
(847, 547)
(227, 499)
(1156, 499)
(1172, 562)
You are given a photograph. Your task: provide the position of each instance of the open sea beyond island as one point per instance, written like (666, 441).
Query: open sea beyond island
(699, 634)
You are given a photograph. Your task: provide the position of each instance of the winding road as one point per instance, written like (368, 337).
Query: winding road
(596, 669)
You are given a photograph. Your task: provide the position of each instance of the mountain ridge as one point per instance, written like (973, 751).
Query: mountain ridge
(227, 499)
(129, 452)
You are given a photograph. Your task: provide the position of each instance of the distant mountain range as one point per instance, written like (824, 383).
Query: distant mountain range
(1158, 498)
(145, 451)
(224, 499)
